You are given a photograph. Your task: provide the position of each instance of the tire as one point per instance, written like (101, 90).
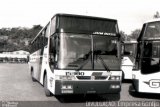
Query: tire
(33, 79)
(47, 92)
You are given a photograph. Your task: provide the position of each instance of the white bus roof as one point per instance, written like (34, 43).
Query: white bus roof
(152, 20)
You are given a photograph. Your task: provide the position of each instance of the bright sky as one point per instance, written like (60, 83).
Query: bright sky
(131, 14)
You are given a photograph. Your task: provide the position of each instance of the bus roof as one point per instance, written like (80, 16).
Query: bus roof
(152, 20)
(83, 16)
(76, 16)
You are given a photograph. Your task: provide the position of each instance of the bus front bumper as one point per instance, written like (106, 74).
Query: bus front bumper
(87, 87)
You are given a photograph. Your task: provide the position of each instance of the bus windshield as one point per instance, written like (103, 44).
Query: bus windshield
(152, 30)
(151, 57)
(75, 50)
(130, 50)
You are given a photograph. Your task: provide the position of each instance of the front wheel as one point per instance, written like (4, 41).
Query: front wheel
(47, 92)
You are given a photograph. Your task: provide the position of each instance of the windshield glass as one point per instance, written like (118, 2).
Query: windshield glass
(130, 51)
(74, 24)
(76, 49)
(152, 30)
(151, 57)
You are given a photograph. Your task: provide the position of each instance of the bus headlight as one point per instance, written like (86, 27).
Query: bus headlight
(115, 78)
(66, 89)
(112, 78)
(62, 77)
(69, 86)
(115, 86)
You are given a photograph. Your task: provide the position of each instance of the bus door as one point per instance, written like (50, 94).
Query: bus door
(150, 59)
(148, 79)
(52, 53)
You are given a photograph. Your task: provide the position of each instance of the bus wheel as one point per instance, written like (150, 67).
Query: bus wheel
(47, 92)
(33, 79)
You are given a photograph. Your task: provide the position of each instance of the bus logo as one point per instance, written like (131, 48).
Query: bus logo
(155, 83)
(74, 73)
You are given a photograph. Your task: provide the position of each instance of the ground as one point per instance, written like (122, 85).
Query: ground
(17, 88)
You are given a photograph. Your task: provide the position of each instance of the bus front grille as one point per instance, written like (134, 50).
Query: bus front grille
(89, 77)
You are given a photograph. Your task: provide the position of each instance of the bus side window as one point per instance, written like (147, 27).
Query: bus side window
(53, 51)
(57, 44)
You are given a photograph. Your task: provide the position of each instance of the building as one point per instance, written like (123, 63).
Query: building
(15, 56)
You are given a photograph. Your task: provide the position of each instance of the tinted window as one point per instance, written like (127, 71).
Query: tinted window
(152, 30)
(87, 25)
(150, 57)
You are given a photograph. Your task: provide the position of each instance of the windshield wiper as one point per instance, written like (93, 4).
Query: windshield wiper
(103, 63)
(86, 58)
(98, 53)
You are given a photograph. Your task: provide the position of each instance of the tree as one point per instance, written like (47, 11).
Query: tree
(123, 35)
(135, 34)
(35, 27)
(17, 37)
(156, 15)
(34, 30)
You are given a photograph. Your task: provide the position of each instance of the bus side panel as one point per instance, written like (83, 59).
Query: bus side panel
(35, 65)
(147, 83)
(127, 67)
(44, 64)
(39, 62)
(46, 71)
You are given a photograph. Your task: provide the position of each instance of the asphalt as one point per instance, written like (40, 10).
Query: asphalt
(18, 90)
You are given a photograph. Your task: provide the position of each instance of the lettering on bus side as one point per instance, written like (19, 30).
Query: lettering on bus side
(104, 33)
(154, 83)
(74, 73)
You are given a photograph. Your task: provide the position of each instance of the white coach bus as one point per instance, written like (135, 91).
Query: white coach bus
(129, 55)
(146, 77)
(76, 54)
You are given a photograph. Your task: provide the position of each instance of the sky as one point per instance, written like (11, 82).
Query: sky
(131, 14)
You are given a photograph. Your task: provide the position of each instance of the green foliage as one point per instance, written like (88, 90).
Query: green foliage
(123, 35)
(12, 39)
(134, 35)
(156, 15)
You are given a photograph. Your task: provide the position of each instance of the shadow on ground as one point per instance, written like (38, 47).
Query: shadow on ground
(87, 98)
(133, 93)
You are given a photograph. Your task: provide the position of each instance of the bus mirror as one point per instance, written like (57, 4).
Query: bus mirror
(51, 59)
(119, 35)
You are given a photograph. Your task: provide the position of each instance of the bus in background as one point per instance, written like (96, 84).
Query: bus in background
(76, 54)
(129, 55)
(146, 77)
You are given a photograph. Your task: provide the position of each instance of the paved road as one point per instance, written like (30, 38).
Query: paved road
(16, 85)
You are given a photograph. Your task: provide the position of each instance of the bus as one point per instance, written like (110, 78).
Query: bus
(75, 54)
(146, 76)
(129, 55)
